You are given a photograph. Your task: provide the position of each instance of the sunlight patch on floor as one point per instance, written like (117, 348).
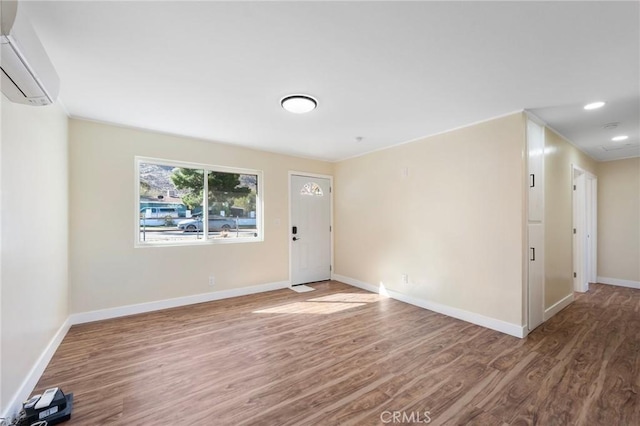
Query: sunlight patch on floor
(348, 297)
(318, 308)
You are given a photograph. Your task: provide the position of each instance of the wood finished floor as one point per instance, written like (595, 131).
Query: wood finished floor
(340, 355)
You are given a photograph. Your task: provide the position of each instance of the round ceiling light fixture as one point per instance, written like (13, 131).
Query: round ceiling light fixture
(594, 105)
(620, 138)
(299, 104)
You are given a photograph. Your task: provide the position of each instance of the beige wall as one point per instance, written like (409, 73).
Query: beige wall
(454, 225)
(34, 235)
(558, 214)
(619, 219)
(107, 271)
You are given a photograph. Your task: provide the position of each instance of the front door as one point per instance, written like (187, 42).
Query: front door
(310, 231)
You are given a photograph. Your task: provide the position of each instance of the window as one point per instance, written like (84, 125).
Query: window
(311, 188)
(180, 203)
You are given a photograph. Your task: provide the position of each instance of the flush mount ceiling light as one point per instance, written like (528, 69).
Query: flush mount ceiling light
(299, 104)
(594, 105)
(620, 138)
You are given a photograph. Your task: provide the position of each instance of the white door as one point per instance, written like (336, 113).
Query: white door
(535, 228)
(585, 227)
(535, 144)
(580, 261)
(310, 231)
(591, 197)
(536, 275)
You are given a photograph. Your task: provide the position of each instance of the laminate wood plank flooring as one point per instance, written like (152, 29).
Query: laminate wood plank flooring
(343, 356)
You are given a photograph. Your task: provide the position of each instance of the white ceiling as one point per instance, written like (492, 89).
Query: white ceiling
(388, 72)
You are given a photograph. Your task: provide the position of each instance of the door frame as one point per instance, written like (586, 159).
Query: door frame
(290, 221)
(585, 221)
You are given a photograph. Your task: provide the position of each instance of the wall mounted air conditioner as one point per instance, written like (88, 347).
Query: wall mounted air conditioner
(28, 77)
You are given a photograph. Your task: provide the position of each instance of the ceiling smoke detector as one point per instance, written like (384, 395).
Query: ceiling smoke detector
(611, 126)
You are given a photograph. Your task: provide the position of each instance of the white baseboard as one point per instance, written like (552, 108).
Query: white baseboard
(140, 308)
(558, 306)
(30, 382)
(481, 320)
(619, 282)
(360, 284)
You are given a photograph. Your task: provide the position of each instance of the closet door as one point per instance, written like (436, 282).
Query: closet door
(535, 224)
(535, 145)
(536, 275)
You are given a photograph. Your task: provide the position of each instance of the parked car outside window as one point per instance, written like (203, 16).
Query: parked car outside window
(216, 223)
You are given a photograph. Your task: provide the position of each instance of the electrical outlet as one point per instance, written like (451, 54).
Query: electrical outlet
(405, 279)
(212, 281)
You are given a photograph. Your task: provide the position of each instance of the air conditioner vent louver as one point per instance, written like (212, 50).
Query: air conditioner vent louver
(28, 77)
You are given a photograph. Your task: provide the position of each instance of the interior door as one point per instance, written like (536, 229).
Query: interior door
(536, 275)
(592, 206)
(580, 283)
(535, 221)
(585, 230)
(535, 144)
(310, 231)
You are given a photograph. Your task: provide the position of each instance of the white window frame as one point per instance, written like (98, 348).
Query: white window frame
(205, 211)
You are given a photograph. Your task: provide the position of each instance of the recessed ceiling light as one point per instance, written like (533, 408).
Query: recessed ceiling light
(620, 138)
(299, 104)
(594, 105)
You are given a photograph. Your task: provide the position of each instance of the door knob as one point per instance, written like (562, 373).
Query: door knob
(296, 238)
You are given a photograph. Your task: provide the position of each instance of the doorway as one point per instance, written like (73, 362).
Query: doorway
(585, 223)
(310, 228)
